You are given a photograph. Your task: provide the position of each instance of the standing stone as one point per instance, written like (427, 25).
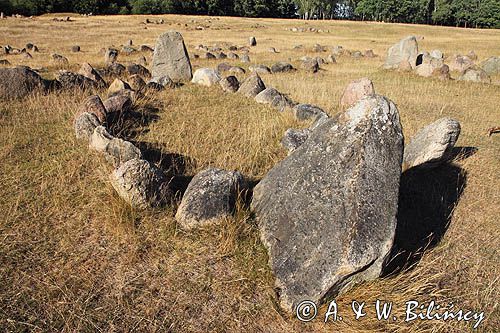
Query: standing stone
(432, 145)
(404, 50)
(230, 84)
(206, 77)
(141, 184)
(210, 197)
(355, 91)
(252, 41)
(170, 58)
(327, 212)
(252, 86)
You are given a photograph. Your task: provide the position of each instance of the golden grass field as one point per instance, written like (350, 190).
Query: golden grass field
(75, 257)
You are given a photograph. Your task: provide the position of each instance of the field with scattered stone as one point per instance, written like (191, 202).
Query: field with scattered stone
(75, 257)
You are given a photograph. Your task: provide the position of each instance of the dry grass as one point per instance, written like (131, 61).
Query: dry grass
(74, 257)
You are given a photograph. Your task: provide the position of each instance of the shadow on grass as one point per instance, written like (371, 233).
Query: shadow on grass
(427, 198)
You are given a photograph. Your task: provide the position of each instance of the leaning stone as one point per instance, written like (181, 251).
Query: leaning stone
(171, 59)
(432, 145)
(230, 84)
(294, 138)
(118, 105)
(405, 50)
(475, 75)
(355, 91)
(252, 86)
(141, 184)
(85, 124)
(93, 105)
(307, 111)
(119, 151)
(210, 197)
(206, 77)
(327, 213)
(116, 69)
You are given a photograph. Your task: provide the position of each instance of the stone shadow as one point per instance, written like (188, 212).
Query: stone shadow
(427, 198)
(131, 123)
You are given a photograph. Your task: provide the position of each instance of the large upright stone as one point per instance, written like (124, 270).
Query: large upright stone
(171, 59)
(327, 212)
(432, 145)
(405, 50)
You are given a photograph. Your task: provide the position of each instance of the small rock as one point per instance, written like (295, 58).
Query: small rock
(116, 69)
(118, 105)
(208, 56)
(355, 91)
(60, 60)
(128, 50)
(331, 59)
(307, 111)
(274, 98)
(437, 54)
(294, 138)
(252, 86)
(210, 197)
(133, 69)
(491, 65)
(310, 65)
(88, 71)
(245, 58)
(206, 77)
(111, 56)
(93, 105)
(164, 82)
(233, 56)
(137, 82)
(272, 50)
(237, 70)
(252, 41)
(260, 69)
(75, 48)
(230, 84)
(70, 80)
(282, 67)
(141, 184)
(85, 124)
(223, 67)
(475, 75)
(460, 63)
(145, 48)
(432, 145)
(117, 85)
(369, 54)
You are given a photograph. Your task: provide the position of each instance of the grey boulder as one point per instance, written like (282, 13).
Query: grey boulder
(491, 65)
(85, 124)
(307, 111)
(19, 82)
(327, 212)
(252, 86)
(274, 98)
(406, 50)
(432, 145)
(206, 77)
(294, 138)
(115, 150)
(230, 84)
(211, 195)
(170, 58)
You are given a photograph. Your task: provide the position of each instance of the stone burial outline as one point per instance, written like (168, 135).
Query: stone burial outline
(365, 136)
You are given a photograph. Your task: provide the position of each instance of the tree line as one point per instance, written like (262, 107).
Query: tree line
(462, 13)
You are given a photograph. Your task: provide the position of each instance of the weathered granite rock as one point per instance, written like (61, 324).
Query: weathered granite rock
(327, 212)
(115, 69)
(491, 65)
(294, 138)
(118, 104)
(111, 56)
(475, 75)
(93, 105)
(274, 98)
(307, 111)
(310, 65)
(88, 71)
(355, 91)
(210, 197)
(206, 77)
(70, 80)
(119, 151)
(405, 50)
(171, 59)
(282, 67)
(432, 145)
(85, 124)
(432, 66)
(460, 63)
(141, 184)
(19, 82)
(230, 84)
(259, 69)
(117, 85)
(252, 86)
